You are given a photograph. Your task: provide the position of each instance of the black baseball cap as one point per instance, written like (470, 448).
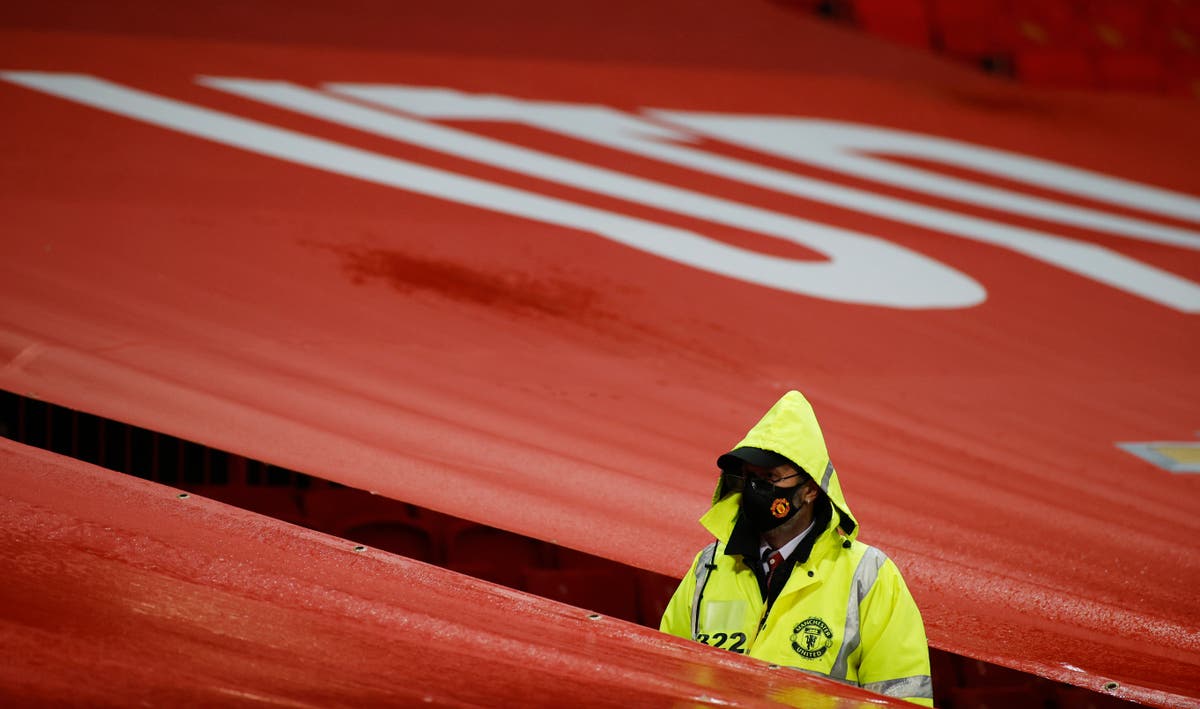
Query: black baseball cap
(732, 461)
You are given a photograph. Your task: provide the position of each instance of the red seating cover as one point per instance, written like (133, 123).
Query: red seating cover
(116, 591)
(540, 378)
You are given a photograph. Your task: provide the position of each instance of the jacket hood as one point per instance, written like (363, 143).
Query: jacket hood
(790, 429)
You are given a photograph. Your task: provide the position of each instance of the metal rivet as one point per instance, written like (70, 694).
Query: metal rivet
(1110, 686)
(594, 616)
(360, 548)
(183, 496)
(772, 667)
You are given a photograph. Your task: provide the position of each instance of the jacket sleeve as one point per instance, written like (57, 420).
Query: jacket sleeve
(677, 618)
(895, 653)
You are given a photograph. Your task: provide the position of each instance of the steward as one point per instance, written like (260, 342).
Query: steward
(786, 580)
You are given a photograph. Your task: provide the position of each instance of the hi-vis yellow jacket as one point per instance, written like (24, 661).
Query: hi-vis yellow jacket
(844, 613)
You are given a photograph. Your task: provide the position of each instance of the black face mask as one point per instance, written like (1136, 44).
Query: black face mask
(766, 506)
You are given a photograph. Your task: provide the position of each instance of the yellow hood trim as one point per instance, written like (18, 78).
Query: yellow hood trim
(790, 429)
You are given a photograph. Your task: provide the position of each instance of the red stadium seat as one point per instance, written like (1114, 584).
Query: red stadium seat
(1136, 71)
(473, 544)
(496, 572)
(610, 592)
(371, 520)
(969, 29)
(1048, 23)
(1012, 697)
(1059, 68)
(654, 592)
(976, 673)
(1172, 39)
(331, 508)
(404, 536)
(903, 21)
(277, 502)
(1180, 13)
(944, 671)
(1183, 77)
(1118, 24)
(1173, 28)
(571, 559)
(803, 5)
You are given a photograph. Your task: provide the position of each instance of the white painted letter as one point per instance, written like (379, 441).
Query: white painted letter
(864, 270)
(793, 138)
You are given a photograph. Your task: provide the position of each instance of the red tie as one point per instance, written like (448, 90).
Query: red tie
(774, 561)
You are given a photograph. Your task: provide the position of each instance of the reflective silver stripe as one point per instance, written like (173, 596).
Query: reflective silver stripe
(702, 570)
(860, 585)
(826, 477)
(917, 686)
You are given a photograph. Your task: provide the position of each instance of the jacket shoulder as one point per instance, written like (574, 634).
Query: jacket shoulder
(870, 563)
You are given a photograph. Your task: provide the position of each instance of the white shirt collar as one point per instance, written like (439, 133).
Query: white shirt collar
(786, 549)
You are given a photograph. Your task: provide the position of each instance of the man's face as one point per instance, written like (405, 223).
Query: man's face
(786, 479)
(783, 477)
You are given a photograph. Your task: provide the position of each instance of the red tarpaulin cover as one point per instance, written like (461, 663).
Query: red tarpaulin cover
(243, 232)
(117, 591)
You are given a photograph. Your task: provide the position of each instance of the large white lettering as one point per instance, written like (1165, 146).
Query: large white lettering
(861, 269)
(771, 134)
(852, 256)
(856, 150)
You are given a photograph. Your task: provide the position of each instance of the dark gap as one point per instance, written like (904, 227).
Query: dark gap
(524, 563)
(9, 414)
(194, 463)
(254, 472)
(33, 423)
(88, 434)
(278, 477)
(218, 466)
(114, 446)
(141, 452)
(62, 430)
(167, 463)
